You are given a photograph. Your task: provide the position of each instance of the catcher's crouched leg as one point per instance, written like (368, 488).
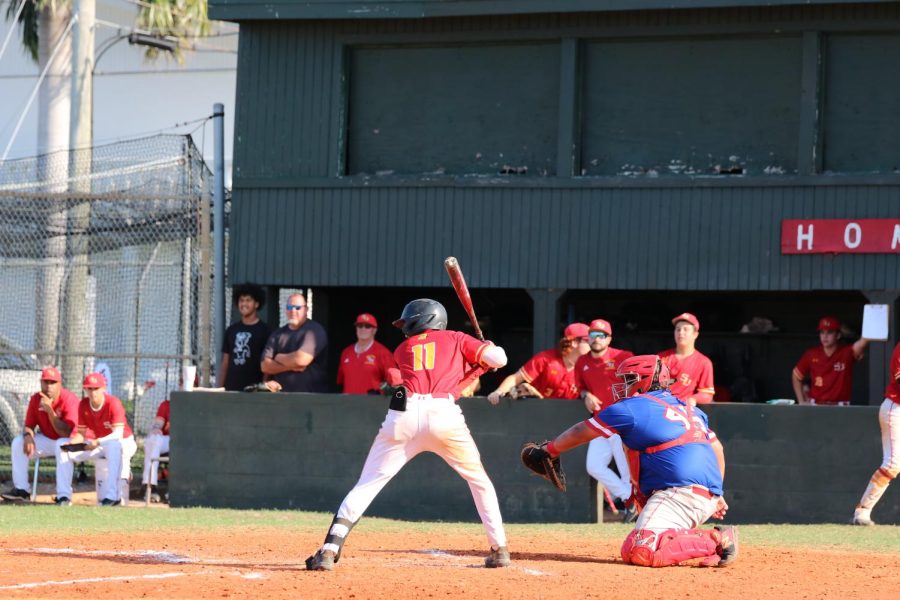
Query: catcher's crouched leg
(647, 548)
(330, 553)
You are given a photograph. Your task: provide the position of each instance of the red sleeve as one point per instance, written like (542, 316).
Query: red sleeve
(705, 378)
(83, 414)
(801, 369)
(340, 373)
(116, 411)
(69, 413)
(163, 411)
(472, 348)
(579, 372)
(895, 363)
(31, 416)
(534, 367)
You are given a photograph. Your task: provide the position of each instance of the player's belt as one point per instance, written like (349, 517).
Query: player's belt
(701, 491)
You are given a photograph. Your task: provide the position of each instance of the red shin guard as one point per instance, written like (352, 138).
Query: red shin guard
(649, 549)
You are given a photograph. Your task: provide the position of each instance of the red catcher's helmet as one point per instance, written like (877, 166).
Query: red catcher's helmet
(639, 374)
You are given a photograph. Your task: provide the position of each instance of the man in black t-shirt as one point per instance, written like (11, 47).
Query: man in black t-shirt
(244, 340)
(295, 354)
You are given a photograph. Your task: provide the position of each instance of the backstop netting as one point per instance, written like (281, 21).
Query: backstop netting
(105, 264)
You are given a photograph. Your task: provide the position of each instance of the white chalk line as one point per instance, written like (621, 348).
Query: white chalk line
(25, 586)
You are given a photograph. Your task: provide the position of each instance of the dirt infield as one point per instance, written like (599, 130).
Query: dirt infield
(268, 562)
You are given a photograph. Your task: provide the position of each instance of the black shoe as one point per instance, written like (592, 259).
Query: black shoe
(109, 502)
(629, 515)
(322, 560)
(16, 495)
(154, 495)
(499, 557)
(62, 501)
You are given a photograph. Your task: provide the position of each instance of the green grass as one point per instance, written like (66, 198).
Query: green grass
(77, 519)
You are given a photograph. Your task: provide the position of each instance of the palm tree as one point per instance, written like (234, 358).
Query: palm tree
(44, 27)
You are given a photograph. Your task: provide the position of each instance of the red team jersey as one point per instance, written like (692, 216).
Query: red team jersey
(359, 373)
(597, 375)
(548, 374)
(163, 413)
(690, 375)
(830, 377)
(435, 362)
(101, 421)
(66, 408)
(893, 388)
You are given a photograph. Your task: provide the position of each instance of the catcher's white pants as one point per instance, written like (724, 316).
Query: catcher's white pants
(433, 425)
(118, 455)
(43, 447)
(677, 508)
(599, 453)
(154, 445)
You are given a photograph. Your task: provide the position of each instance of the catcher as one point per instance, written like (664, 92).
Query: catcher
(680, 466)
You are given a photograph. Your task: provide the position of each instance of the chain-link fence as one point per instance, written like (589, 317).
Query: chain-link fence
(105, 264)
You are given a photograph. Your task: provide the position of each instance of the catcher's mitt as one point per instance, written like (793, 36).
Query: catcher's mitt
(536, 458)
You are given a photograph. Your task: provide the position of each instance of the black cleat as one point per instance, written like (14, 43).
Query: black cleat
(16, 495)
(728, 545)
(110, 502)
(62, 501)
(498, 557)
(322, 560)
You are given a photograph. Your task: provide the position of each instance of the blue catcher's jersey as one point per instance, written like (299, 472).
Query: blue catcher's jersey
(644, 423)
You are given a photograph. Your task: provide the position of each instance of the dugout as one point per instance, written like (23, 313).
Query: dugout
(581, 158)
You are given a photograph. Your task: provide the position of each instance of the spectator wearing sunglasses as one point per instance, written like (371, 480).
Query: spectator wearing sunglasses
(364, 365)
(244, 340)
(690, 369)
(295, 355)
(550, 373)
(595, 373)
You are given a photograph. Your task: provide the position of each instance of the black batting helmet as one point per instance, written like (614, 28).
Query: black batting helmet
(422, 314)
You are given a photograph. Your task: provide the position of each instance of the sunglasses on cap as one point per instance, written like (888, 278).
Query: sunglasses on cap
(295, 306)
(599, 334)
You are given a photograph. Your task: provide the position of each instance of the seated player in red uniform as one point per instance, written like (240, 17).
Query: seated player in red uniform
(550, 373)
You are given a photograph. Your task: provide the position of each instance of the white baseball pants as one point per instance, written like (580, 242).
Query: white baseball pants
(118, 454)
(600, 451)
(154, 445)
(43, 447)
(677, 508)
(433, 425)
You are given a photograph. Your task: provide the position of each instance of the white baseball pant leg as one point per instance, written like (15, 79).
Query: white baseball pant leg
(155, 445)
(428, 424)
(889, 422)
(118, 455)
(676, 508)
(599, 453)
(43, 447)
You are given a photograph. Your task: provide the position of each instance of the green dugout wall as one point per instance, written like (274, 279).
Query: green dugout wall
(785, 464)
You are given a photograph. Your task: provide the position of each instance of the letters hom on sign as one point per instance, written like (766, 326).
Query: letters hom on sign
(840, 236)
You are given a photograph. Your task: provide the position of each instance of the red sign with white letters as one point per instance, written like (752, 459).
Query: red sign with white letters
(840, 236)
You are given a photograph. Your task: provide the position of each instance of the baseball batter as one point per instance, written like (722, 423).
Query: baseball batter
(104, 415)
(889, 420)
(595, 374)
(364, 365)
(550, 373)
(156, 444)
(52, 415)
(828, 367)
(690, 369)
(424, 416)
(682, 465)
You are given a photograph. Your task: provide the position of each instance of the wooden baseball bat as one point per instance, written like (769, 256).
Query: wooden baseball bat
(462, 292)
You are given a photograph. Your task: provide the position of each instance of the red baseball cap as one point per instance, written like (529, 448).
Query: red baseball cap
(366, 319)
(93, 381)
(576, 330)
(50, 374)
(829, 324)
(689, 318)
(601, 325)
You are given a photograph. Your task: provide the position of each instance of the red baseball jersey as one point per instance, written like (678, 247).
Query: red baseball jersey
(163, 413)
(435, 362)
(830, 377)
(597, 375)
(893, 388)
(101, 421)
(691, 375)
(547, 372)
(65, 406)
(359, 373)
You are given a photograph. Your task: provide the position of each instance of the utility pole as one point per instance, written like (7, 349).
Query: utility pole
(219, 225)
(79, 293)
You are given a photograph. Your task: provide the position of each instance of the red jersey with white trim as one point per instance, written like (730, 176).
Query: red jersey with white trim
(65, 407)
(101, 421)
(548, 374)
(163, 413)
(436, 361)
(830, 377)
(691, 375)
(597, 375)
(359, 373)
(893, 387)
